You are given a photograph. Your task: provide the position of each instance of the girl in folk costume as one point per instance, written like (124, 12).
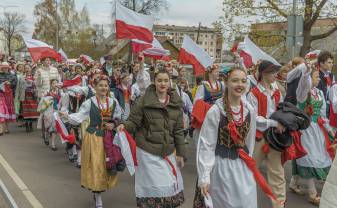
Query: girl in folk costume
(7, 84)
(157, 120)
(265, 98)
(315, 139)
(55, 94)
(223, 176)
(211, 89)
(29, 102)
(94, 175)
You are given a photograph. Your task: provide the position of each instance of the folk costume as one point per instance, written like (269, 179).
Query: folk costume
(29, 104)
(159, 137)
(315, 139)
(265, 103)
(94, 175)
(232, 183)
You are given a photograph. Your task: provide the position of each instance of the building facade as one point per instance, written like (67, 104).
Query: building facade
(209, 39)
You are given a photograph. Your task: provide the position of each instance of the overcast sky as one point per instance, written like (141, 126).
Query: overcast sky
(181, 12)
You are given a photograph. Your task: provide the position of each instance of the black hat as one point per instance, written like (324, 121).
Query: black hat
(108, 57)
(277, 141)
(267, 66)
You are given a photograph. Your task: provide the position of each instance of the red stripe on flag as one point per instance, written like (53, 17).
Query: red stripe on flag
(72, 82)
(187, 58)
(125, 31)
(44, 52)
(247, 59)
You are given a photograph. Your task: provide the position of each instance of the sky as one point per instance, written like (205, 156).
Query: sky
(180, 12)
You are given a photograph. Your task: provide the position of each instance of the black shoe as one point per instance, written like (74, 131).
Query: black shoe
(53, 148)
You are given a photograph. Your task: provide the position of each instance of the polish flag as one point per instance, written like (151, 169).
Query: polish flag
(62, 130)
(251, 53)
(139, 46)
(191, 53)
(86, 59)
(63, 55)
(154, 50)
(128, 149)
(132, 25)
(39, 49)
(72, 82)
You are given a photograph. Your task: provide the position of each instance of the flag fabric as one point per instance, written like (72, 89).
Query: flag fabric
(63, 55)
(39, 49)
(191, 53)
(139, 46)
(62, 130)
(128, 149)
(86, 59)
(251, 53)
(72, 82)
(133, 25)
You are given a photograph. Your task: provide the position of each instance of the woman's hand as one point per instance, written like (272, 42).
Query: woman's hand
(63, 114)
(120, 128)
(280, 128)
(109, 126)
(204, 190)
(180, 162)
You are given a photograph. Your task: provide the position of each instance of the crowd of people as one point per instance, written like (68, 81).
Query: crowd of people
(238, 118)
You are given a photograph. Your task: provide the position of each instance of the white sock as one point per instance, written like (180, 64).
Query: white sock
(74, 150)
(294, 180)
(98, 198)
(79, 157)
(311, 186)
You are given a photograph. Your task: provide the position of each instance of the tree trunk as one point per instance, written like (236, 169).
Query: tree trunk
(306, 41)
(9, 47)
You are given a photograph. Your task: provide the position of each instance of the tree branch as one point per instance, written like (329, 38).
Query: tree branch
(318, 11)
(324, 35)
(276, 8)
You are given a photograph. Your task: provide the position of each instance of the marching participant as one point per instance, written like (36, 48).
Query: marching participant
(223, 176)
(315, 139)
(44, 75)
(94, 175)
(265, 98)
(157, 120)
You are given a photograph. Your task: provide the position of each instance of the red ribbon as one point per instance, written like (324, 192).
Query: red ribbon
(328, 147)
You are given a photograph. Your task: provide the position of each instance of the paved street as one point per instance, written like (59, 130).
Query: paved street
(55, 182)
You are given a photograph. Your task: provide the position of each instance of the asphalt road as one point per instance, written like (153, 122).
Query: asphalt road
(55, 182)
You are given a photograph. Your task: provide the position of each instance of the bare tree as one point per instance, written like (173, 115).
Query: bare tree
(12, 25)
(146, 6)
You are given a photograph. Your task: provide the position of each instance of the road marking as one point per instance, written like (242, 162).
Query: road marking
(22, 186)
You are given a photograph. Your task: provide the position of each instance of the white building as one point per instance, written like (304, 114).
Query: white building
(209, 39)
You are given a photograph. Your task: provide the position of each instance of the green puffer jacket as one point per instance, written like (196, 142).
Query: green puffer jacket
(158, 129)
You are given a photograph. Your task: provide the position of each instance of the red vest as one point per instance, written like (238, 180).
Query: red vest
(332, 115)
(262, 105)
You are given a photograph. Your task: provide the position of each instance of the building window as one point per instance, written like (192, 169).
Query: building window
(211, 43)
(212, 36)
(205, 36)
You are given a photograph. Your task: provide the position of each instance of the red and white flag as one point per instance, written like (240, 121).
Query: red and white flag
(128, 149)
(62, 130)
(191, 53)
(63, 55)
(133, 25)
(154, 50)
(139, 46)
(77, 81)
(86, 59)
(251, 54)
(39, 49)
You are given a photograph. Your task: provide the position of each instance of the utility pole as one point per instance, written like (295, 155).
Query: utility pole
(294, 37)
(198, 33)
(57, 26)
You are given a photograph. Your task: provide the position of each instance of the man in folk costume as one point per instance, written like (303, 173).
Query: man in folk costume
(44, 75)
(325, 64)
(265, 98)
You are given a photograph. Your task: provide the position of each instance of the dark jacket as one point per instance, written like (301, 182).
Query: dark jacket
(292, 118)
(159, 130)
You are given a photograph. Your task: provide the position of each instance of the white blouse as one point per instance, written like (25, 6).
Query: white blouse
(84, 111)
(209, 136)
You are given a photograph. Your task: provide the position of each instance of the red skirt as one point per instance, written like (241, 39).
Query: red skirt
(29, 106)
(9, 104)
